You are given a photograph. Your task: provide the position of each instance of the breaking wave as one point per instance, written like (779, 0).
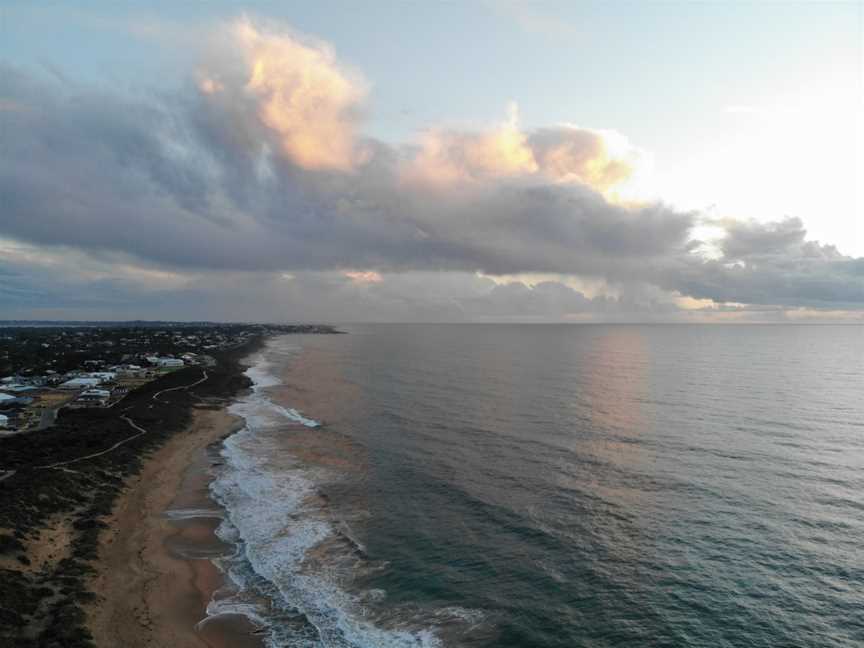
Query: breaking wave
(292, 561)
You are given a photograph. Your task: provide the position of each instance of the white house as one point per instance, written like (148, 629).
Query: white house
(99, 396)
(96, 393)
(102, 376)
(19, 389)
(80, 383)
(171, 362)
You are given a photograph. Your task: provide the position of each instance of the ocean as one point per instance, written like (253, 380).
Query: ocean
(551, 486)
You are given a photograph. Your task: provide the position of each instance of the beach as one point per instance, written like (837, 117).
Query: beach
(154, 574)
(107, 529)
(564, 487)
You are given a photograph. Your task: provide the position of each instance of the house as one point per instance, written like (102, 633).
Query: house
(102, 376)
(18, 389)
(16, 401)
(170, 362)
(94, 396)
(80, 383)
(132, 371)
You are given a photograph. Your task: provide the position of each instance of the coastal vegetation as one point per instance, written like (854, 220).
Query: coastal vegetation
(57, 485)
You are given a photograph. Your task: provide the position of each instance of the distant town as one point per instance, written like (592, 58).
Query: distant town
(47, 367)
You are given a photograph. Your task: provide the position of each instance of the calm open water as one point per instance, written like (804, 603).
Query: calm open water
(551, 486)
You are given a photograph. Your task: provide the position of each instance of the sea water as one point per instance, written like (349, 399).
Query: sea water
(550, 486)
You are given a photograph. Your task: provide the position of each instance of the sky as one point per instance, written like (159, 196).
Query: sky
(407, 161)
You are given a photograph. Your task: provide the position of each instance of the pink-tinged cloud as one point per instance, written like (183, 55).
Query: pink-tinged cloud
(362, 277)
(309, 104)
(599, 159)
(560, 154)
(300, 92)
(11, 106)
(447, 157)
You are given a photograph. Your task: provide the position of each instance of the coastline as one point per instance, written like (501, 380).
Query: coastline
(82, 502)
(82, 531)
(154, 573)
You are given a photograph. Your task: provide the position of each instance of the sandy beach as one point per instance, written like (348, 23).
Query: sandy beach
(154, 574)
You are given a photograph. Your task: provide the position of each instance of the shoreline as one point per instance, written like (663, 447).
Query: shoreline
(71, 518)
(76, 499)
(155, 576)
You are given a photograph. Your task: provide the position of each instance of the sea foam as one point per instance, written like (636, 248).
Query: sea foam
(273, 521)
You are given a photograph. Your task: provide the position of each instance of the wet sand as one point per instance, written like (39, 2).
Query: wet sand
(155, 577)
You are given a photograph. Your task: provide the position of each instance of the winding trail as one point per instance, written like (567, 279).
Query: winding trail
(197, 382)
(141, 430)
(99, 454)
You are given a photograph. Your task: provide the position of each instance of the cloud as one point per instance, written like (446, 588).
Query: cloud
(195, 182)
(369, 276)
(770, 263)
(69, 284)
(260, 167)
(748, 240)
(566, 153)
(450, 157)
(298, 90)
(531, 18)
(600, 159)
